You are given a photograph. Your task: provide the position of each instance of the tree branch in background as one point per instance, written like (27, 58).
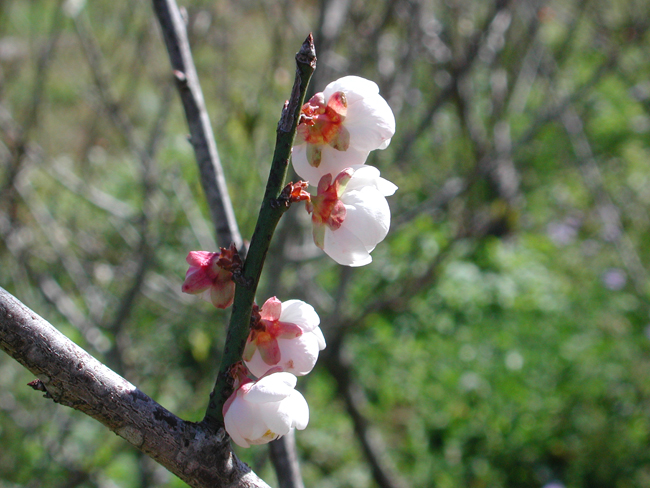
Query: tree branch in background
(374, 450)
(462, 65)
(201, 136)
(285, 461)
(70, 376)
(609, 213)
(18, 147)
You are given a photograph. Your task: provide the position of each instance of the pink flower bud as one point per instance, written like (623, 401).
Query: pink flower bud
(262, 411)
(286, 337)
(208, 277)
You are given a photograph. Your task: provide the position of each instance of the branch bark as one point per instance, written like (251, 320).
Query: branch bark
(70, 376)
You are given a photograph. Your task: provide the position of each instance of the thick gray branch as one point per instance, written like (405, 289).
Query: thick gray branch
(202, 139)
(70, 376)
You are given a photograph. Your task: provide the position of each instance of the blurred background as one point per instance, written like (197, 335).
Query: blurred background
(501, 336)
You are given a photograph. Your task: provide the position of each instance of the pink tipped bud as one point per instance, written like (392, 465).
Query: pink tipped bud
(208, 277)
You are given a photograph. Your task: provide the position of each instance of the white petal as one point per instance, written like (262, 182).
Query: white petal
(320, 337)
(283, 416)
(272, 388)
(367, 215)
(299, 355)
(365, 175)
(238, 417)
(354, 88)
(299, 313)
(370, 122)
(332, 162)
(385, 187)
(345, 248)
(297, 404)
(257, 366)
(277, 418)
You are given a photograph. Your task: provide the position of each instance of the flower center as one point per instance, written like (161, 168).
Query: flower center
(326, 207)
(268, 436)
(322, 124)
(328, 210)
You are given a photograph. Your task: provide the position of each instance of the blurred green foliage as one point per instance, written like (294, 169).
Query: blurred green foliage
(501, 336)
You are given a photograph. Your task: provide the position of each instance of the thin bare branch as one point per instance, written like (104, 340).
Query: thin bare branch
(340, 367)
(202, 139)
(609, 213)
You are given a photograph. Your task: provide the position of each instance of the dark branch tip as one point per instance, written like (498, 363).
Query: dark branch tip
(307, 53)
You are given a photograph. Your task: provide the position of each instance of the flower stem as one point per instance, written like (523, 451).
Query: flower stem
(271, 211)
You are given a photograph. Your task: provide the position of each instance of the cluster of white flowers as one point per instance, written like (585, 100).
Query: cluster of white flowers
(350, 215)
(284, 342)
(339, 127)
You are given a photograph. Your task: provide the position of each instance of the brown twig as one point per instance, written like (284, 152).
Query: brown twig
(19, 145)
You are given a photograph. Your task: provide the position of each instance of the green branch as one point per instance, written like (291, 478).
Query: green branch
(270, 213)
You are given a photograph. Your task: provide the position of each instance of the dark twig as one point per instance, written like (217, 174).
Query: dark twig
(19, 139)
(609, 213)
(457, 71)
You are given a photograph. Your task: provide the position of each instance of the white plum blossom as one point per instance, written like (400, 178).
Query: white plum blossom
(350, 214)
(340, 126)
(286, 338)
(262, 411)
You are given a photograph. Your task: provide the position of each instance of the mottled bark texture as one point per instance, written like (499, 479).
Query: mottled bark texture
(200, 456)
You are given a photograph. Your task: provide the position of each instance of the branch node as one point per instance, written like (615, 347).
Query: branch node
(37, 385)
(305, 66)
(292, 193)
(240, 279)
(180, 76)
(184, 15)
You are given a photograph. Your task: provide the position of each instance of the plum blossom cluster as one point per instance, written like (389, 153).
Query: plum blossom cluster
(338, 129)
(284, 342)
